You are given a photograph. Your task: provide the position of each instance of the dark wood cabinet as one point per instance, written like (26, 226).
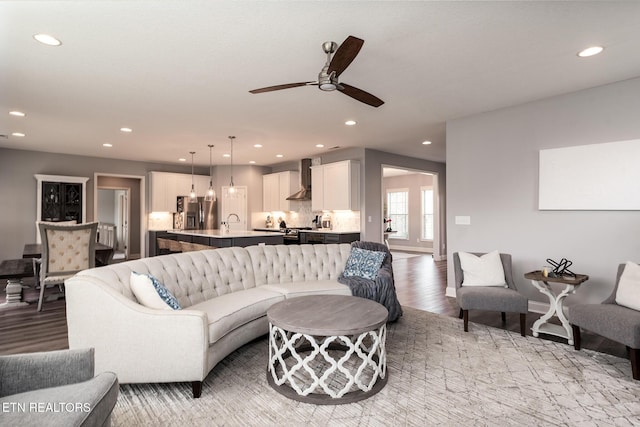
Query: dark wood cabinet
(325, 238)
(61, 201)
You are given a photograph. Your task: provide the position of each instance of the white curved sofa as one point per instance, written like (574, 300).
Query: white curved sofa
(224, 294)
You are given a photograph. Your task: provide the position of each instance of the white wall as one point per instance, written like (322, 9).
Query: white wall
(492, 176)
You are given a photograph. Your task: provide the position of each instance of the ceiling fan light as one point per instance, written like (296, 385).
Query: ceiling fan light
(327, 87)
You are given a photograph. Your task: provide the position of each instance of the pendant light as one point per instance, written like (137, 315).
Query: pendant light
(192, 194)
(211, 194)
(232, 189)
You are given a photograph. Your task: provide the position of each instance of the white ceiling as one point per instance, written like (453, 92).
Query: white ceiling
(179, 72)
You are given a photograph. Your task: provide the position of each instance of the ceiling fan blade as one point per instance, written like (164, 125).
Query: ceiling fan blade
(360, 95)
(345, 54)
(280, 87)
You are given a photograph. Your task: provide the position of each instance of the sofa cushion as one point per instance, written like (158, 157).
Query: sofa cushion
(151, 293)
(485, 270)
(298, 289)
(364, 263)
(628, 292)
(273, 264)
(230, 311)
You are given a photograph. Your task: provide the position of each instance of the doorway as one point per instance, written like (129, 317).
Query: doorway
(120, 200)
(114, 216)
(417, 221)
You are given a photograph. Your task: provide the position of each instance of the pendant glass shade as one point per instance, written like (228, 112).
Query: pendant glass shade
(192, 193)
(211, 193)
(231, 190)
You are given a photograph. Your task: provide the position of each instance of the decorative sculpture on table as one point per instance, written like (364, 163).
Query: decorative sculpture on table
(561, 268)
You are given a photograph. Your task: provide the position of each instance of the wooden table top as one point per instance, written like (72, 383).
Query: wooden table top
(328, 315)
(34, 250)
(567, 280)
(16, 268)
(103, 252)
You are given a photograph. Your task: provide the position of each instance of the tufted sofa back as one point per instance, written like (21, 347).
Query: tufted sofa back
(297, 263)
(193, 277)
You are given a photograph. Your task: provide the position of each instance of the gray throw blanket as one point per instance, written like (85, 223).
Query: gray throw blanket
(382, 289)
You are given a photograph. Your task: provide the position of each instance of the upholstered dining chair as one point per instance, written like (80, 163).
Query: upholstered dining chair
(66, 250)
(610, 320)
(490, 298)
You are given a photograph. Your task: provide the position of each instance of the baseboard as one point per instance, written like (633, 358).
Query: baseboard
(538, 307)
(411, 249)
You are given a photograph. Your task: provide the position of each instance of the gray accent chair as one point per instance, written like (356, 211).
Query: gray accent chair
(612, 321)
(490, 298)
(56, 388)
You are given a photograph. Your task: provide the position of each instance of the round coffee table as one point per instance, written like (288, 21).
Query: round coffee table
(327, 349)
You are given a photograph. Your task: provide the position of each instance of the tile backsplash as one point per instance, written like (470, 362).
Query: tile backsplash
(302, 216)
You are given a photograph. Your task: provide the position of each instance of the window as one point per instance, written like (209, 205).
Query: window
(427, 213)
(398, 212)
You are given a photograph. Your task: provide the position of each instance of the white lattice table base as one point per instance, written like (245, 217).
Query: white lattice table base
(327, 369)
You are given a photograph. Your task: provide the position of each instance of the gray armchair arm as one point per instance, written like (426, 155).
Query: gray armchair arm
(31, 371)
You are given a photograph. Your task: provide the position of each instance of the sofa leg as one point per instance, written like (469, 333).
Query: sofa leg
(503, 315)
(465, 320)
(523, 324)
(634, 356)
(460, 314)
(196, 386)
(576, 336)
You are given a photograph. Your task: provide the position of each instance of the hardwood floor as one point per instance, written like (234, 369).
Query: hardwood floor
(420, 283)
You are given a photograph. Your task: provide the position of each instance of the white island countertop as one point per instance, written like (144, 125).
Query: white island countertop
(313, 230)
(329, 231)
(221, 233)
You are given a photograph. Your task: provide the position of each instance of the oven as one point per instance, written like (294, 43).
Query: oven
(291, 235)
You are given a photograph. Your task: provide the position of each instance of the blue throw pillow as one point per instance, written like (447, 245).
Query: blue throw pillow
(363, 263)
(151, 293)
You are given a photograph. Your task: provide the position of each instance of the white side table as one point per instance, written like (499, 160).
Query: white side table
(556, 303)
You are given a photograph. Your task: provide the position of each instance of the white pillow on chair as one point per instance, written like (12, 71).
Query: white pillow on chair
(485, 270)
(628, 293)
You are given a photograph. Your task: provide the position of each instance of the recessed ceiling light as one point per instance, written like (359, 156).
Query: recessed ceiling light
(47, 39)
(319, 145)
(252, 162)
(226, 155)
(258, 145)
(590, 51)
(20, 134)
(127, 130)
(426, 142)
(17, 113)
(279, 155)
(350, 122)
(182, 159)
(106, 144)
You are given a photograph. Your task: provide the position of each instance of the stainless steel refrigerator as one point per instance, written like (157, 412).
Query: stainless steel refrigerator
(197, 214)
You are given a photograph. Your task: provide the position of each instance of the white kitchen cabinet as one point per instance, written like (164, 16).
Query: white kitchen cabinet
(276, 187)
(336, 186)
(317, 188)
(166, 187)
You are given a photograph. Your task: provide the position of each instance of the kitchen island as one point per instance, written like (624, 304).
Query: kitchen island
(324, 235)
(224, 239)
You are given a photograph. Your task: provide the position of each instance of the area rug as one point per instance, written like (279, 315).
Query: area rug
(438, 375)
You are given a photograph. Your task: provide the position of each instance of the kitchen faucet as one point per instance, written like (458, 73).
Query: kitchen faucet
(229, 216)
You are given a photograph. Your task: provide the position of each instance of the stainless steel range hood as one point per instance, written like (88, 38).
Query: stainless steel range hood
(305, 182)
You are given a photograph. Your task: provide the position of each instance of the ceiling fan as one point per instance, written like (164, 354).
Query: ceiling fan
(328, 77)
